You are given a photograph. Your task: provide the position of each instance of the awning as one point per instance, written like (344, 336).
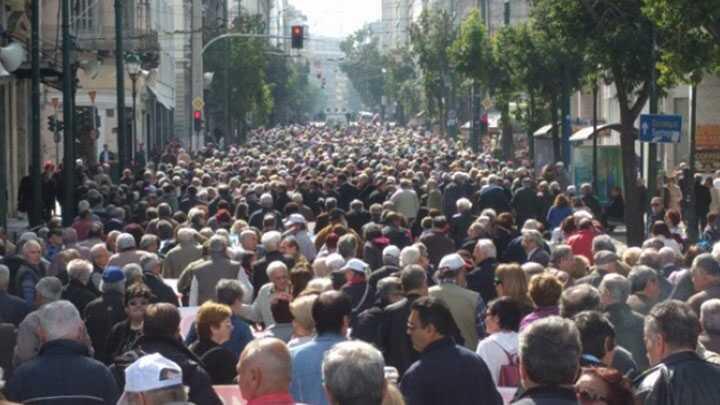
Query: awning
(164, 99)
(586, 133)
(543, 131)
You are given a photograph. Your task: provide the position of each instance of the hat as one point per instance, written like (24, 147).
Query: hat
(391, 251)
(295, 219)
(113, 274)
(152, 372)
(605, 257)
(356, 265)
(452, 261)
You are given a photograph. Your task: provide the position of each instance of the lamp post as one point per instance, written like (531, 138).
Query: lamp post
(132, 64)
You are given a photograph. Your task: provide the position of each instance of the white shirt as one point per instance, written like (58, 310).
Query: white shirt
(493, 355)
(260, 310)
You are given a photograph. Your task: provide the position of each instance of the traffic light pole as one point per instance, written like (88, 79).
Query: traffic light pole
(68, 158)
(35, 175)
(122, 139)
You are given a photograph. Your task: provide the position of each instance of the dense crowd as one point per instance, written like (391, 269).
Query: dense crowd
(357, 266)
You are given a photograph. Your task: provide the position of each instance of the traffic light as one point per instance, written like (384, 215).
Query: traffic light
(197, 115)
(298, 34)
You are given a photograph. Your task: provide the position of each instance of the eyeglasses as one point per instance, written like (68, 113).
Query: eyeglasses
(585, 396)
(137, 303)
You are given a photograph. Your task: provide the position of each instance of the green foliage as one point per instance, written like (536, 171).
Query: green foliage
(689, 34)
(471, 52)
(402, 82)
(363, 65)
(431, 39)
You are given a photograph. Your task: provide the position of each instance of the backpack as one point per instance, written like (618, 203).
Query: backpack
(509, 373)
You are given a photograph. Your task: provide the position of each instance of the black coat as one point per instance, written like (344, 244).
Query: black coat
(195, 377)
(394, 342)
(63, 374)
(122, 338)
(79, 294)
(681, 378)
(161, 291)
(438, 245)
(482, 279)
(459, 224)
(100, 316)
(547, 396)
(12, 309)
(218, 361)
(346, 193)
(446, 374)
(493, 197)
(259, 269)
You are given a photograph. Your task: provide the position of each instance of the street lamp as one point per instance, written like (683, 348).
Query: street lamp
(133, 66)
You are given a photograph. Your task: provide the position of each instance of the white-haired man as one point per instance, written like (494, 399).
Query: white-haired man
(67, 373)
(217, 267)
(482, 277)
(278, 288)
(461, 221)
(271, 243)
(186, 252)
(406, 201)
(78, 290)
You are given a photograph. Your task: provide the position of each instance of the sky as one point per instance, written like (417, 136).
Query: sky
(338, 18)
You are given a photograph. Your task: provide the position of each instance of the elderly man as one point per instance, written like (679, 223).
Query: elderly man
(461, 221)
(706, 279)
(153, 380)
(100, 256)
(49, 289)
(710, 322)
(271, 242)
(606, 262)
(645, 289)
(366, 325)
(266, 208)
(548, 372)
(126, 251)
(67, 374)
(297, 227)
(614, 292)
(445, 372)
(532, 242)
(331, 312)
(390, 261)
(152, 267)
(466, 306)
(107, 310)
(78, 290)
(12, 309)
(354, 372)
(406, 201)
(30, 271)
(563, 259)
(218, 266)
(264, 373)
(482, 277)
(186, 252)
(678, 374)
(437, 241)
(278, 288)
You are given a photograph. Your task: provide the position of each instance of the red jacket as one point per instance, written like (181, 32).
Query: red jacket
(581, 243)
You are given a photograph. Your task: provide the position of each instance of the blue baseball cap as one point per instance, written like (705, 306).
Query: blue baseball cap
(113, 274)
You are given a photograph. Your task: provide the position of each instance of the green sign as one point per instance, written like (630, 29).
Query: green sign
(610, 172)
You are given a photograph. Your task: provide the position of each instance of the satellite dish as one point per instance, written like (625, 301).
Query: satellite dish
(12, 56)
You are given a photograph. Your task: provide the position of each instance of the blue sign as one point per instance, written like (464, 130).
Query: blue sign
(660, 128)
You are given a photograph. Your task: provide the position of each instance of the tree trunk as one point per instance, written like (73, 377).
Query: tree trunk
(633, 204)
(555, 130)
(530, 128)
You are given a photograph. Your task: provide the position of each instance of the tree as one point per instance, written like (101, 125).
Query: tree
(616, 36)
(363, 65)
(431, 38)
(401, 83)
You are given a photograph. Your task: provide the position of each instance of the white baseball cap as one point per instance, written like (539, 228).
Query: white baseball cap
(294, 219)
(452, 262)
(152, 372)
(356, 265)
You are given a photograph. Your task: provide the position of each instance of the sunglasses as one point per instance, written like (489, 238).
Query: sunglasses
(585, 396)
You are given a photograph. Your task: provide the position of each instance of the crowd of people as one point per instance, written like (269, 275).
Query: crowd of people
(357, 266)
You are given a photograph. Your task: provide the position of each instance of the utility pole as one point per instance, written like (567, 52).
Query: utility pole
(690, 175)
(226, 76)
(197, 63)
(68, 207)
(652, 168)
(37, 201)
(122, 137)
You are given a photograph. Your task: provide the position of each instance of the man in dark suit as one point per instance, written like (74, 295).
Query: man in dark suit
(532, 242)
(106, 156)
(12, 309)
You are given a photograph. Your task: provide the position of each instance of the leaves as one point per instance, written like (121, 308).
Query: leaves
(363, 65)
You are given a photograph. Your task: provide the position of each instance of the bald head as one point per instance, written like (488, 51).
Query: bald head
(264, 368)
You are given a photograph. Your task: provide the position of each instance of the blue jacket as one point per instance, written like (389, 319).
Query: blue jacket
(556, 215)
(12, 309)
(306, 386)
(240, 337)
(448, 374)
(63, 373)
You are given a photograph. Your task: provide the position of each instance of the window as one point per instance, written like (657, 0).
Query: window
(85, 15)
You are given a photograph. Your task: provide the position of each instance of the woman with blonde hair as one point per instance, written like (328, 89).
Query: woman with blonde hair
(510, 281)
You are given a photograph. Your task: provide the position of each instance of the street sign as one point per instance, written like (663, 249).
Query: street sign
(487, 104)
(198, 104)
(659, 128)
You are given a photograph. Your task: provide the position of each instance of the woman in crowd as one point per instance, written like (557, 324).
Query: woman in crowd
(500, 348)
(603, 386)
(510, 281)
(124, 334)
(214, 328)
(559, 211)
(544, 290)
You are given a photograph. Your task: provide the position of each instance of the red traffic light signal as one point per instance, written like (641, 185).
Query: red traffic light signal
(197, 115)
(298, 34)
